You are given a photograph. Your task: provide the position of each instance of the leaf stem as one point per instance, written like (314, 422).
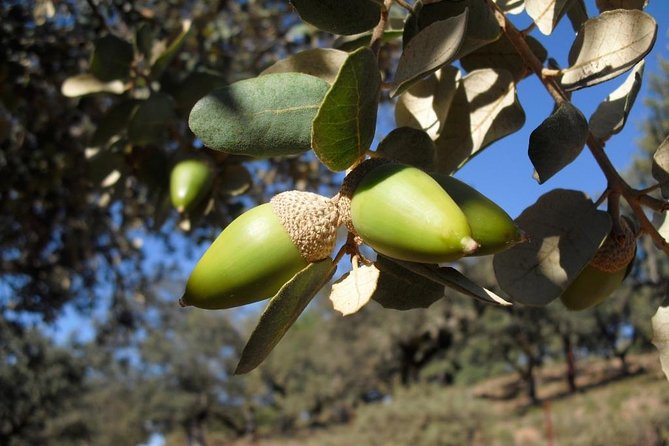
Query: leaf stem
(616, 184)
(377, 34)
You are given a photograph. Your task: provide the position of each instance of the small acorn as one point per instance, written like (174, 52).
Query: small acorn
(403, 213)
(263, 249)
(605, 272)
(190, 184)
(492, 228)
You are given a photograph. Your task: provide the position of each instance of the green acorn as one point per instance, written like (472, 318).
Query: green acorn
(190, 184)
(263, 249)
(492, 228)
(403, 213)
(605, 272)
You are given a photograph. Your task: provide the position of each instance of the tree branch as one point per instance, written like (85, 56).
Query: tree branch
(616, 184)
(377, 34)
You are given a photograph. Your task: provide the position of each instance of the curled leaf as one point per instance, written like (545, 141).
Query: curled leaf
(352, 292)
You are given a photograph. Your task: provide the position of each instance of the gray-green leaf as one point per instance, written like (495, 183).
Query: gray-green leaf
(111, 59)
(564, 229)
(148, 124)
(261, 117)
(282, 311)
(661, 166)
(511, 6)
(596, 56)
(320, 62)
(344, 127)
(400, 289)
(485, 109)
(611, 114)
(433, 47)
(557, 141)
(344, 17)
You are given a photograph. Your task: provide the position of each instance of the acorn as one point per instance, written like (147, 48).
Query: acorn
(605, 272)
(263, 249)
(492, 228)
(190, 184)
(402, 212)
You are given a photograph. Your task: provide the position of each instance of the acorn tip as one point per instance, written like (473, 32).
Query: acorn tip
(469, 245)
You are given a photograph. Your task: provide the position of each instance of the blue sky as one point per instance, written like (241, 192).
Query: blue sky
(503, 171)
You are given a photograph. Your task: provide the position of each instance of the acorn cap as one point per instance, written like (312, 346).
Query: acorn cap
(311, 221)
(617, 251)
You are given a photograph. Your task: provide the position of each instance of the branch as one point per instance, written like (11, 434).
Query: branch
(616, 184)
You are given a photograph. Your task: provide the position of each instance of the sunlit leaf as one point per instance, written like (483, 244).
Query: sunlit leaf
(352, 292)
(661, 166)
(111, 59)
(84, 84)
(339, 16)
(166, 57)
(611, 114)
(265, 116)
(546, 13)
(282, 311)
(409, 146)
(320, 62)
(596, 57)
(433, 47)
(344, 127)
(557, 141)
(564, 231)
(426, 103)
(485, 109)
(660, 324)
(148, 125)
(400, 289)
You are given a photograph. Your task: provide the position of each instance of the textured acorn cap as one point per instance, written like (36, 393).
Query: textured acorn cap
(311, 221)
(617, 251)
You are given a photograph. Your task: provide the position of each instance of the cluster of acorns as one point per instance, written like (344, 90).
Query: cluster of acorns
(398, 210)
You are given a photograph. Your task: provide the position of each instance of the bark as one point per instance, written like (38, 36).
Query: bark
(568, 349)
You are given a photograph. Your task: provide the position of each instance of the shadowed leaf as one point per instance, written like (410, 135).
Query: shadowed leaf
(611, 114)
(432, 48)
(344, 17)
(164, 59)
(608, 5)
(148, 124)
(409, 146)
(111, 58)
(502, 55)
(564, 230)
(546, 13)
(660, 323)
(557, 141)
(400, 289)
(485, 109)
(426, 103)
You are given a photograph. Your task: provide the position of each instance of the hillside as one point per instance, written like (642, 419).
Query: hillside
(609, 409)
